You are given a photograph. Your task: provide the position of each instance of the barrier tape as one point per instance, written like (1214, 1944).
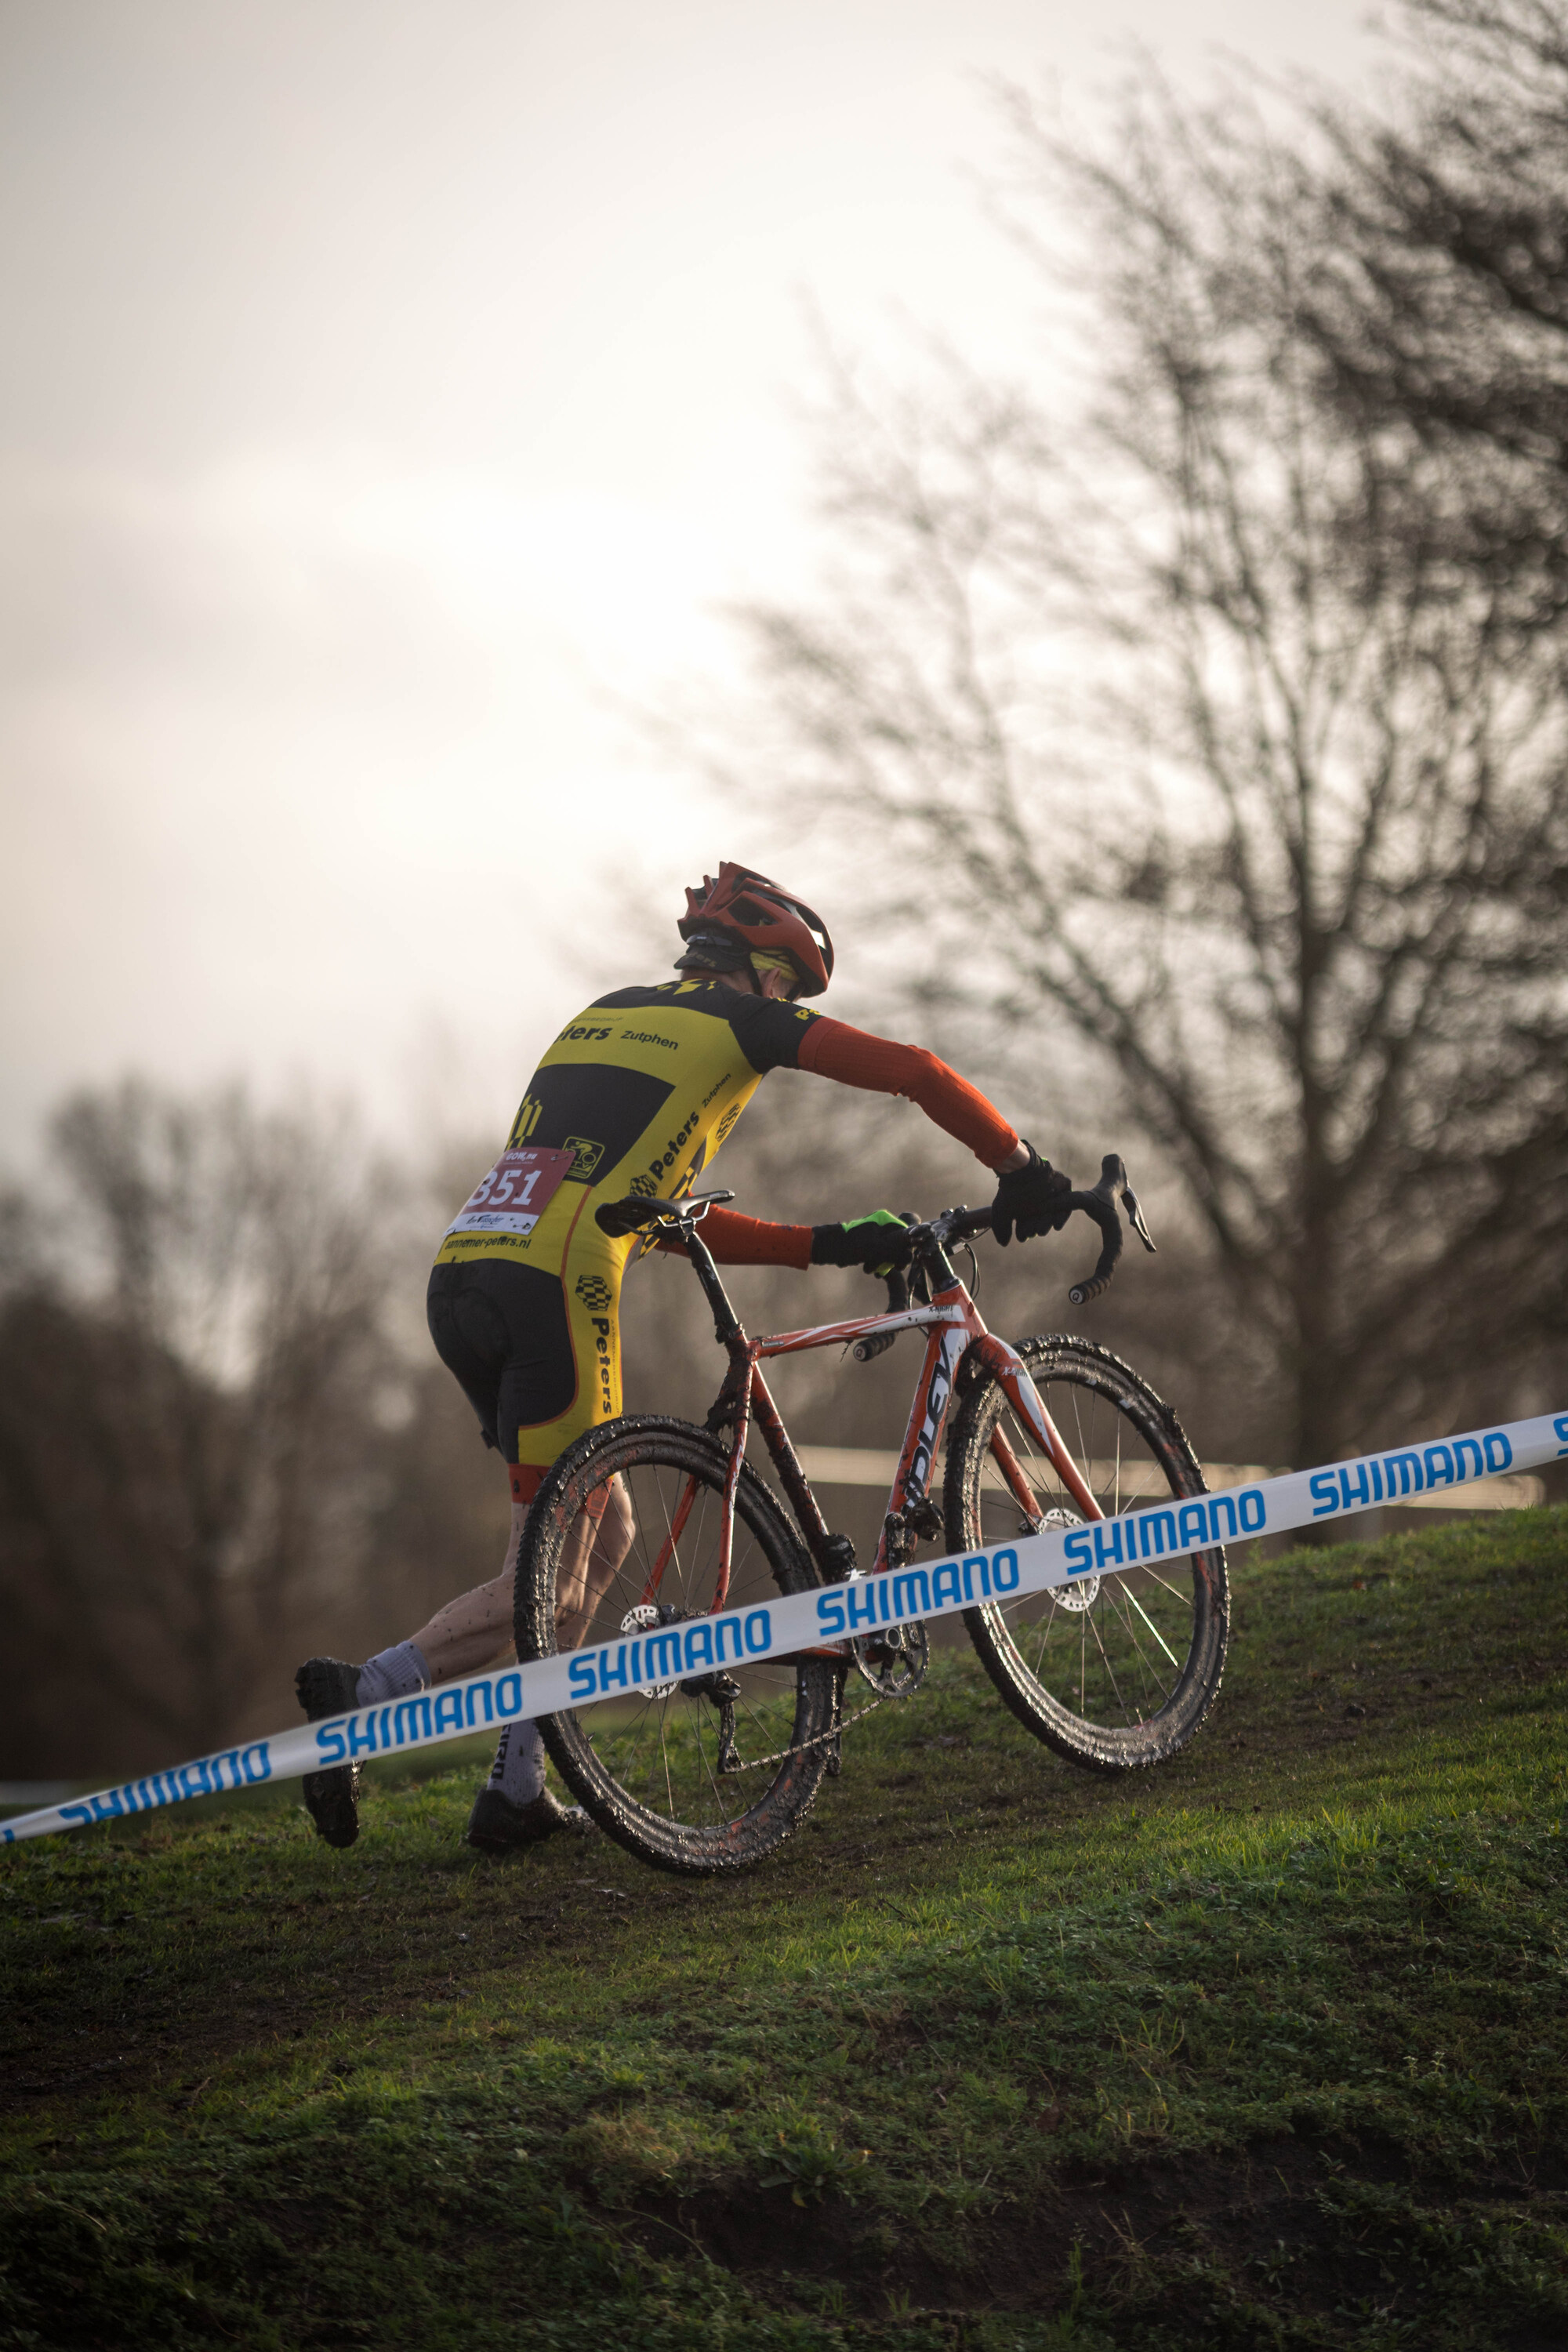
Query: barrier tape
(773, 1629)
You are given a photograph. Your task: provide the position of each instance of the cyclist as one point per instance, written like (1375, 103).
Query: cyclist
(635, 1096)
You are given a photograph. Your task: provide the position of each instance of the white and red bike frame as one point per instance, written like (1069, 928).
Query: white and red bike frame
(954, 1330)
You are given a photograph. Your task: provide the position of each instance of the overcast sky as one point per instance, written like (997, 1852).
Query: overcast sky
(387, 390)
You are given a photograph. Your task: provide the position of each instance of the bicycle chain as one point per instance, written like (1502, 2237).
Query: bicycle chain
(756, 1762)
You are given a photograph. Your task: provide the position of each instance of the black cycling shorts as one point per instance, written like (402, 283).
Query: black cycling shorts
(503, 1329)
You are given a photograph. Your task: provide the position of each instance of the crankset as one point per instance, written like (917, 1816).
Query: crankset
(893, 1659)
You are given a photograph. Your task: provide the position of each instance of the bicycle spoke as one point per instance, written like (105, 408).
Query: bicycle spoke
(1109, 1652)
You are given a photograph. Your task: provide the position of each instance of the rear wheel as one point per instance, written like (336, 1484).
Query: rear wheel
(1119, 1670)
(699, 1772)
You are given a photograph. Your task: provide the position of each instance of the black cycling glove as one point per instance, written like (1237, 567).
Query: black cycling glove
(1035, 1199)
(880, 1242)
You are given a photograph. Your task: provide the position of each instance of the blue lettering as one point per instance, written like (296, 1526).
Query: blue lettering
(1409, 1468)
(580, 1674)
(661, 1657)
(1506, 1450)
(1156, 1534)
(1475, 1445)
(1225, 1503)
(829, 1612)
(450, 1712)
(76, 1813)
(1253, 1500)
(108, 1808)
(699, 1644)
(946, 1588)
(911, 1593)
(1361, 1492)
(762, 1638)
(1445, 1462)
(1079, 1550)
(509, 1694)
(981, 1560)
(1195, 1523)
(411, 1720)
(364, 1743)
(257, 1772)
(330, 1742)
(1107, 1542)
(615, 1674)
(1005, 1583)
(861, 1602)
(1559, 1430)
(1325, 1494)
(723, 1625)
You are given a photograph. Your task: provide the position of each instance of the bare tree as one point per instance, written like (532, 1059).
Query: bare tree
(1190, 734)
(1445, 314)
(192, 1400)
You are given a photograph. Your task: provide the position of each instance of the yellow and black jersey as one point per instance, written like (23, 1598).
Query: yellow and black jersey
(635, 1096)
(641, 1088)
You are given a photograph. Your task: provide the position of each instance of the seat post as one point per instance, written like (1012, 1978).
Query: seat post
(726, 1322)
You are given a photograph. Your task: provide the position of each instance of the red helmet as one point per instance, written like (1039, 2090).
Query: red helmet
(744, 905)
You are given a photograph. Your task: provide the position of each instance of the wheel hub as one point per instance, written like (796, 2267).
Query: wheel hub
(643, 1620)
(1084, 1591)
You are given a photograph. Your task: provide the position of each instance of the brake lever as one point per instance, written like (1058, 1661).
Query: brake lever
(1100, 1202)
(878, 1342)
(1114, 1173)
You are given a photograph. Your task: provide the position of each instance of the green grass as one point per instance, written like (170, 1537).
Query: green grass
(1264, 2049)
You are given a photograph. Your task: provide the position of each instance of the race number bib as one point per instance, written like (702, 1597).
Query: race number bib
(509, 1199)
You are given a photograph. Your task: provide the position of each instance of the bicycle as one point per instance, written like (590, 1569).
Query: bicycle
(1114, 1673)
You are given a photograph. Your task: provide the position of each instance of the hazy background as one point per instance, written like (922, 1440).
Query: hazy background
(465, 470)
(392, 396)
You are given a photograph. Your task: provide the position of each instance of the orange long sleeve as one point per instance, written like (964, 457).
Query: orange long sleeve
(854, 1058)
(735, 1240)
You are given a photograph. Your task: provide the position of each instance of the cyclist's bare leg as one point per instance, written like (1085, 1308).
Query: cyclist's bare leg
(590, 1563)
(475, 1630)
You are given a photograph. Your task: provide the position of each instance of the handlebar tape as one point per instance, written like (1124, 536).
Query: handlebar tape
(1103, 1212)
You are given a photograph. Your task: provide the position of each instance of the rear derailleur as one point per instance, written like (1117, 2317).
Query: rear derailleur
(722, 1690)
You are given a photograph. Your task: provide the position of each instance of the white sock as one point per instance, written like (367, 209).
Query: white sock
(396, 1673)
(519, 1768)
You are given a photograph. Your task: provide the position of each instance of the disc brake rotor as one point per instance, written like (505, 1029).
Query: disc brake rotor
(1084, 1591)
(642, 1619)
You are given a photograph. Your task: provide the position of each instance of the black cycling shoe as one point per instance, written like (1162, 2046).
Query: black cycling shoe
(498, 1826)
(331, 1687)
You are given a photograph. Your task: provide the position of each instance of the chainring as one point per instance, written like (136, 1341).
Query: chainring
(893, 1660)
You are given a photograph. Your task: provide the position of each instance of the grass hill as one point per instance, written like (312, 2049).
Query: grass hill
(1266, 2048)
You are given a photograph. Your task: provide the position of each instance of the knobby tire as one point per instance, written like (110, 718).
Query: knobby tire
(1117, 1676)
(646, 1769)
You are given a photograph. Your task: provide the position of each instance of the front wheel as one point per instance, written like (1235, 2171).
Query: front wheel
(1115, 1671)
(712, 1763)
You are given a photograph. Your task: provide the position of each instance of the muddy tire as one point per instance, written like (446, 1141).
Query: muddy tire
(1118, 1672)
(676, 1772)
